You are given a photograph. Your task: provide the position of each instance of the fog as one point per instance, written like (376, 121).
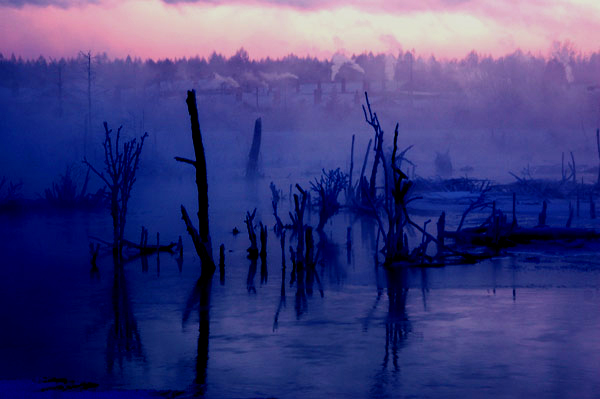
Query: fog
(508, 318)
(492, 115)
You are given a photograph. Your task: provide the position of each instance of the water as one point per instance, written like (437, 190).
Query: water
(519, 325)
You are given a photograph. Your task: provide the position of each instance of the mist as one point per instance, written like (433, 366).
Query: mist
(516, 110)
(381, 225)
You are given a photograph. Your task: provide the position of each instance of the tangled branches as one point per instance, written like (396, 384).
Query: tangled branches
(120, 166)
(329, 186)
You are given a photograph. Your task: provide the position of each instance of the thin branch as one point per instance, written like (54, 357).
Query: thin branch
(185, 160)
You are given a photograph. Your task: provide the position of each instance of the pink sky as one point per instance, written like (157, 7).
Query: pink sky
(159, 28)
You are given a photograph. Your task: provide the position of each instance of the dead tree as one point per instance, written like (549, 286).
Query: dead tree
(249, 221)
(298, 257)
(252, 167)
(200, 237)
(570, 219)
(263, 254)
(65, 193)
(479, 203)
(394, 248)
(120, 166)
(222, 264)
(276, 197)
(202, 243)
(329, 186)
(397, 197)
(373, 120)
(573, 170)
(263, 241)
(298, 216)
(350, 187)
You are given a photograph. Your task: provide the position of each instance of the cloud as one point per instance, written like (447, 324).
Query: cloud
(329, 4)
(154, 28)
(46, 3)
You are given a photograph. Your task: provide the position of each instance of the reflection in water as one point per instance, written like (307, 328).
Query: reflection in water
(179, 258)
(282, 295)
(379, 286)
(301, 304)
(328, 255)
(264, 274)
(203, 335)
(397, 325)
(424, 287)
(311, 261)
(201, 296)
(157, 263)
(513, 268)
(397, 329)
(123, 341)
(349, 245)
(144, 260)
(304, 272)
(281, 298)
(94, 271)
(250, 279)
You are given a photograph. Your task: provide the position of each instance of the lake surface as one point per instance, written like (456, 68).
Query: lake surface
(520, 325)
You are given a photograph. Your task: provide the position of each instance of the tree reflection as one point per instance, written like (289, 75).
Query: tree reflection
(200, 296)
(250, 286)
(328, 254)
(397, 324)
(124, 342)
(397, 328)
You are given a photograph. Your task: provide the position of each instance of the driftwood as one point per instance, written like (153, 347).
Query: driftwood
(521, 235)
(497, 233)
(140, 250)
(150, 249)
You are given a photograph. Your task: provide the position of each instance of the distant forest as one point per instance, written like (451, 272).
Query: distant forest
(516, 90)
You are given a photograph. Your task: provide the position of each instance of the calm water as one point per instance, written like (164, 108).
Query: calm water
(515, 326)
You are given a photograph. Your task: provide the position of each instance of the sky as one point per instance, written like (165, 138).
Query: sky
(320, 28)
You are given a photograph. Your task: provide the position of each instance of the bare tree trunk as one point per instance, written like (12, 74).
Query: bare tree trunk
(200, 237)
(350, 189)
(252, 167)
(201, 179)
